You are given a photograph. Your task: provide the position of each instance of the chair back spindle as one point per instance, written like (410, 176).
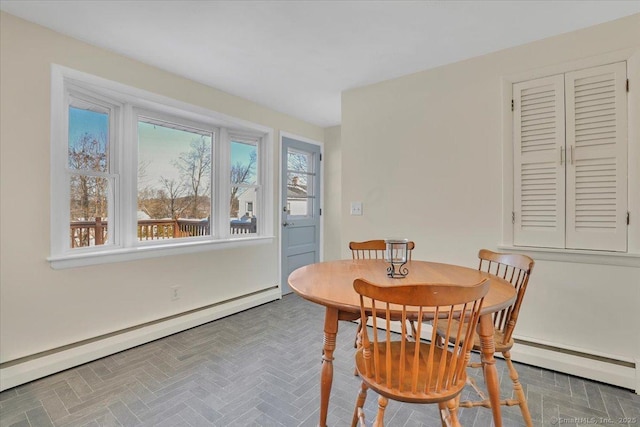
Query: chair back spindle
(515, 269)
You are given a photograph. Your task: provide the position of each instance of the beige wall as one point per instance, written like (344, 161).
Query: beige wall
(424, 155)
(332, 194)
(41, 308)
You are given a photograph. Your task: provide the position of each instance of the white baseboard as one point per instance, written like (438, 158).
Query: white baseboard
(33, 369)
(586, 367)
(599, 367)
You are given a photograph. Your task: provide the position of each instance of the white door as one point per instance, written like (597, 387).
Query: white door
(300, 204)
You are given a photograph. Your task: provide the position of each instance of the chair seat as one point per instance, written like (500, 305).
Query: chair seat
(406, 395)
(498, 336)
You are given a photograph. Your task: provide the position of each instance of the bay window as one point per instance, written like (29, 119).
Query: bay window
(137, 173)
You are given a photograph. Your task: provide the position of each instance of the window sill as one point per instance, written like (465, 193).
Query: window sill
(144, 252)
(577, 256)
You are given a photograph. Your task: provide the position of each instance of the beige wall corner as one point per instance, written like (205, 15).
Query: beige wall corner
(332, 193)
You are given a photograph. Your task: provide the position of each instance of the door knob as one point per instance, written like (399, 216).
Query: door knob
(284, 224)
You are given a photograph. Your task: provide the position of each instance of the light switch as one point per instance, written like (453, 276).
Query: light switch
(356, 208)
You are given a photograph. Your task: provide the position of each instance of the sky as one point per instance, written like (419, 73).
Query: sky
(158, 146)
(81, 121)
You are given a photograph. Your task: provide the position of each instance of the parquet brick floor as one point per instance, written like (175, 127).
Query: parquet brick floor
(261, 368)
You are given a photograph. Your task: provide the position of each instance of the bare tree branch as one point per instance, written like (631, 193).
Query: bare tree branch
(195, 171)
(88, 193)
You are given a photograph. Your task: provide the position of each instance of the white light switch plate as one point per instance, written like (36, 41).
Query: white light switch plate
(356, 208)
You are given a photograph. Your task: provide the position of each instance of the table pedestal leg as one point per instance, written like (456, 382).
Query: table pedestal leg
(489, 366)
(326, 377)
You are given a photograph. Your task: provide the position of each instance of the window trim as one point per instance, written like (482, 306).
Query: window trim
(128, 98)
(632, 255)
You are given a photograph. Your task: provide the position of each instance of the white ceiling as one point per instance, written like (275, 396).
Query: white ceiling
(297, 56)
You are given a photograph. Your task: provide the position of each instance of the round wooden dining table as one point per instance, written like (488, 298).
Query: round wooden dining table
(330, 284)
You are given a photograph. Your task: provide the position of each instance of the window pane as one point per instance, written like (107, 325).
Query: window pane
(88, 210)
(174, 181)
(244, 157)
(88, 139)
(243, 218)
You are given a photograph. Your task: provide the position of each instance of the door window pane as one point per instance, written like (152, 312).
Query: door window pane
(299, 183)
(297, 161)
(299, 199)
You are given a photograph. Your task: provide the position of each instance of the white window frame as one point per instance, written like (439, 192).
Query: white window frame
(632, 256)
(126, 103)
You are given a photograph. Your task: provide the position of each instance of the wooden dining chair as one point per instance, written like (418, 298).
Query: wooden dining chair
(415, 371)
(375, 249)
(516, 269)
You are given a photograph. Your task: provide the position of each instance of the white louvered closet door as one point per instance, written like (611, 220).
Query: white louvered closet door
(596, 120)
(539, 181)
